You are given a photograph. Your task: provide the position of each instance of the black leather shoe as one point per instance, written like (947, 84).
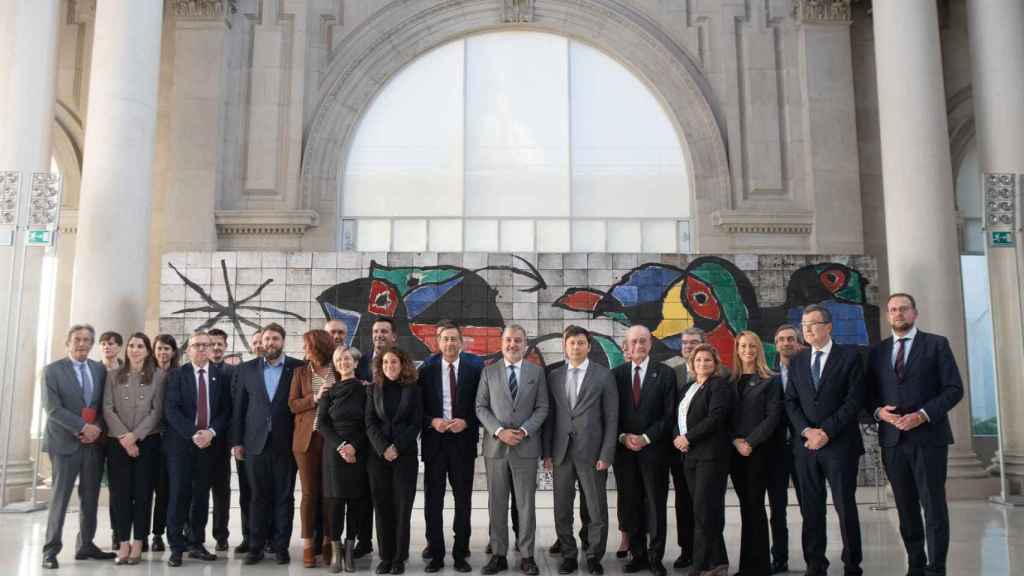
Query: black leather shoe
(383, 568)
(494, 565)
(434, 565)
(780, 567)
(427, 554)
(253, 558)
(362, 549)
(282, 557)
(94, 554)
(222, 546)
(594, 567)
(568, 566)
(529, 567)
(684, 561)
(158, 544)
(175, 560)
(620, 554)
(658, 569)
(555, 548)
(635, 565)
(398, 567)
(242, 548)
(201, 553)
(461, 565)
(145, 545)
(50, 562)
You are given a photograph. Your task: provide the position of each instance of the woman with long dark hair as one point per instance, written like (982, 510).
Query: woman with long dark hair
(133, 410)
(394, 416)
(165, 352)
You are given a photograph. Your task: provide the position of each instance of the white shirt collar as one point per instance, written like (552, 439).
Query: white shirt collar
(642, 365)
(582, 367)
(455, 363)
(518, 366)
(204, 367)
(909, 336)
(827, 348)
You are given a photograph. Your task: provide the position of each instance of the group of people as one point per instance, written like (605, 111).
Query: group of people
(354, 428)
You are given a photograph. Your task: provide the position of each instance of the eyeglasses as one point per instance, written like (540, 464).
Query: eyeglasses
(199, 345)
(812, 324)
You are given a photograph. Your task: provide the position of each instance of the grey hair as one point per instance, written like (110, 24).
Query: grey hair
(826, 316)
(77, 327)
(511, 327)
(694, 331)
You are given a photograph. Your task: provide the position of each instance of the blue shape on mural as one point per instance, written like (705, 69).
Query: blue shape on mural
(419, 299)
(848, 322)
(351, 319)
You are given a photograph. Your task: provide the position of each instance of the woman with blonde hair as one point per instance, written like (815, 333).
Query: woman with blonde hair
(756, 418)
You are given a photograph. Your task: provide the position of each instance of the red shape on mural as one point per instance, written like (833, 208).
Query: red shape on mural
(383, 299)
(722, 339)
(582, 300)
(701, 299)
(479, 340)
(833, 280)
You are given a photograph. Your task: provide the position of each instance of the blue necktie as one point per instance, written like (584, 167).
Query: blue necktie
(816, 369)
(513, 382)
(86, 384)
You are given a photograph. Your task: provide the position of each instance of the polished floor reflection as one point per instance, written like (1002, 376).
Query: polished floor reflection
(986, 539)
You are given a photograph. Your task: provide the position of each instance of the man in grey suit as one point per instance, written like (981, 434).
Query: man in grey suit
(512, 404)
(73, 393)
(579, 445)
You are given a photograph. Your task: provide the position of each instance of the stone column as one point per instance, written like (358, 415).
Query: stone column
(921, 233)
(28, 55)
(997, 51)
(112, 255)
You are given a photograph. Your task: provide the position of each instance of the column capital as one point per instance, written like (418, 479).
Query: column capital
(822, 11)
(203, 10)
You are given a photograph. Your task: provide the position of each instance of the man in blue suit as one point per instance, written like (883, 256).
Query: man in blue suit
(913, 383)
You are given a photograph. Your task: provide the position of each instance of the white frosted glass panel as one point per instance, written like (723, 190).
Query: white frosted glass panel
(406, 158)
(373, 235)
(517, 125)
(624, 236)
(623, 164)
(409, 236)
(446, 235)
(517, 236)
(553, 236)
(481, 236)
(588, 236)
(660, 236)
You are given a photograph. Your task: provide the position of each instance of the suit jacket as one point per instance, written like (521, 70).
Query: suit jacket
(931, 381)
(181, 401)
(256, 416)
(757, 415)
(657, 400)
(134, 406)
(496, 409)
(64, 404)
(364, 369)
(593, 424)
(708, 424)
(431, 382)
(300, 402)
(835, 405)
(402, 429)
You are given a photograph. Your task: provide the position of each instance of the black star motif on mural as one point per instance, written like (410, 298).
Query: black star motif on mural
(231, 310)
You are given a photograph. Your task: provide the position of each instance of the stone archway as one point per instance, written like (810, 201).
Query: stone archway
(401, 31)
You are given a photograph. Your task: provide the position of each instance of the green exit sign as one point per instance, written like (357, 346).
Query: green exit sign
(1001, 238)
(39, 238)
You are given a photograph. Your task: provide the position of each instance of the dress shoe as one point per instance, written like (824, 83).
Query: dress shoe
(635, 565)
(658, 569)
(494, 565)
(434, 565)
(594, 567)
(94, 554)
(620, 554)
(201, 553)
(529, 567)
(145, 545)
(252, 558)
(50, 562)
(461, 565)
(362, 549)
(383, 568)
(282, 557)
(780, 567)
(555, 548)
(309, 557)
(222, 546)
(427, 554)
(398, 567)
(175, 560)
(684, 561)
(568, 566)
(242, 548)
(158, 544)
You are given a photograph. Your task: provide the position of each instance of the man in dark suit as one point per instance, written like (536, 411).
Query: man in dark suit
(824, 396)
(262, 427)
(647, 392)
(197, 410)
(73, 395)
(787, 345)
(244, 491)
(220, 477)
(913, 382)
(450, 434)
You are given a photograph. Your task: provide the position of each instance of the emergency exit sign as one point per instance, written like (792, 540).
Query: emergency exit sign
(39, 238)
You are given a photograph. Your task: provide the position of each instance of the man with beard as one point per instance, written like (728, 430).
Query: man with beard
(262, 426)
(787, 345)
(244, 490)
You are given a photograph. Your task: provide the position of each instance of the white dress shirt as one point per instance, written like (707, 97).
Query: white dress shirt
(825, 351)
(684, 406)
(582, 373)
(447, 402)
(908, 342)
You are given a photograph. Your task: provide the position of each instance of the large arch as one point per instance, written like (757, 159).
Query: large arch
(401, 31)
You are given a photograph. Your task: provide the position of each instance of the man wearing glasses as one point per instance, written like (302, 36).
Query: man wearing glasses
(824, 396)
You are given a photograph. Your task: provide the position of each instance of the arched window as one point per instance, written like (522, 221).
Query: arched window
(515, 141)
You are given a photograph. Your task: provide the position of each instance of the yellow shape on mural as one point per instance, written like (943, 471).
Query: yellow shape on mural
(674, 316)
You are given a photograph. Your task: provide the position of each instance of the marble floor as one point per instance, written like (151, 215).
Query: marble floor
(986, 539)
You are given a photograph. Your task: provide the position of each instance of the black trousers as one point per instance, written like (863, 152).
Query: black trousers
(162, 492)
(344, 516)
(918, 478)
(244, 496)
(707, 481)
(108, 470)
(684, 505)
(779, 474)
(393, 485)
(220, 487)
(131, 486)
(272, 506)
(839, 469)
(453, 467)
(189, 471)
(750, 480)
(366, 524)
(642, 481)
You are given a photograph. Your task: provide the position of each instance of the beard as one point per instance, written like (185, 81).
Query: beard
(272, 353)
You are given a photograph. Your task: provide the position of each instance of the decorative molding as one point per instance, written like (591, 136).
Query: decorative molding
(10, 189)
(517, 11)
(265, 222)
(799, 222)
(204, 9)
(823, 11)
(1000, 200)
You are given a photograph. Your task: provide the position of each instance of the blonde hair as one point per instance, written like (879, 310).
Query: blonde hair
(710, 350)
(760, 361)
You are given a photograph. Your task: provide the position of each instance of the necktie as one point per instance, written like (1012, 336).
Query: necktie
(452, 388)
(816, 369)
(513, 382)
(201, 414)
(636, 388)
(86, 383)
(574, 383)
(901, 359)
